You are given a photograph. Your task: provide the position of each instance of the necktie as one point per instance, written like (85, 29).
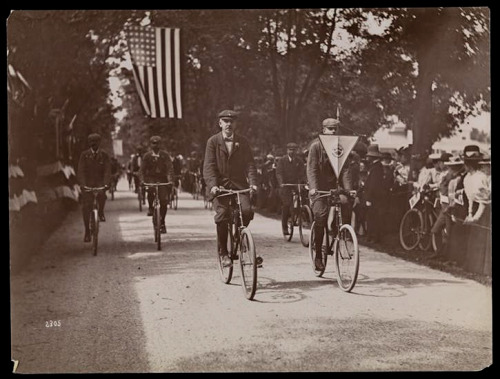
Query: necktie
(228, 139)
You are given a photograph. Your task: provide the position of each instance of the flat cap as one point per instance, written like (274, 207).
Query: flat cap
(94, 137)
(330, 122)
(291, 145)
(155, 139)
(228, 114)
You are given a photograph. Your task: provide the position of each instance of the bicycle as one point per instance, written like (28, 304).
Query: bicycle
(140, 193)
(174, 196)
(416, 224)
(156, 211)
(300, 215)
(94, 216)
(113, 185)
(196, 185)
(241, 247)
(343, 246)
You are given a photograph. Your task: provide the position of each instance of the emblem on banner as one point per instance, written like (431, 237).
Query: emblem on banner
(338, 151)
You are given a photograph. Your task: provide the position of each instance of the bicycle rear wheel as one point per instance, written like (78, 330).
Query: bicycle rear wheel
(305, 221)
(226, 272)
(312, 252)
(248, 265)
(347, 258)
(425, 237)
(95, 230)
(409, 229)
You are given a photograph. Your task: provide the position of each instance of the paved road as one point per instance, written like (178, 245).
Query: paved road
(135, 309)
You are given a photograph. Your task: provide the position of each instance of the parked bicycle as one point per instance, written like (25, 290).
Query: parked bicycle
(416, 224)
(300, 215)
(343, 246)
(94, 216)
(156, 211)
(241, 247)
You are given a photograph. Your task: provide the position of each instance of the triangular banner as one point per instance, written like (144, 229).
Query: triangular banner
(337, 148)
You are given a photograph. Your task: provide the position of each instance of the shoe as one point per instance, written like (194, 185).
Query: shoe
(286, 232)
(319, 264)
(102, 218)
(163, 229)
(150, 212)
(226, 261)
(86, 238)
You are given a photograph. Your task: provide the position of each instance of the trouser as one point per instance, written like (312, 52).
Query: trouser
(223, 215)
(376, 220)
(286, 203)
(163, 192)
(443, 220)
(88, 203)
(320, 209)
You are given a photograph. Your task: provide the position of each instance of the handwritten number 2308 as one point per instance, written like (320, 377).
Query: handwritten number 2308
(52, 323)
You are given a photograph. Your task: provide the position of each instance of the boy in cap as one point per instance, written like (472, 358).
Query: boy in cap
(94, 170)
(228, 163)
(289, 170)
(157, 167)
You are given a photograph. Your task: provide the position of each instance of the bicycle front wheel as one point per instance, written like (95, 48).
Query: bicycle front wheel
(305, 221)
(312, 252)
(289, 227)
(157, 227)
(139, 197)
(248, 265)
(95, 230)
(409, 229)
(226, 272)
(347, 258)
(425, 237)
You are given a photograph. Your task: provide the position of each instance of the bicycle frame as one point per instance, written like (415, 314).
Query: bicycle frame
(239, 225)
(156, 207)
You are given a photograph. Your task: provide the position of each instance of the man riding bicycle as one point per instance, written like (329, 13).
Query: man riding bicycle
(321, 177)
(289, 170)
(229, 163)
(94, 170)
(157, 167)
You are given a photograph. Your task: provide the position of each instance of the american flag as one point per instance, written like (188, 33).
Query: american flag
(156, 65)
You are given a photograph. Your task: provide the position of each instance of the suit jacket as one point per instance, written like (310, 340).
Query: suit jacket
(376, 187)
(320, 174)
(94, 170)
(232, 171)
(156, 169)
(290, 172)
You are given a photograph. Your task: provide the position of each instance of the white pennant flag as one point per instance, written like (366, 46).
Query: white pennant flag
(337, 148)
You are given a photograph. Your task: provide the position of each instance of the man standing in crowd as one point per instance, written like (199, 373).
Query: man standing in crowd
(320, 176)
(289, 170)
(94, 170)
(229, 163)
(157, 167)
(376, 194)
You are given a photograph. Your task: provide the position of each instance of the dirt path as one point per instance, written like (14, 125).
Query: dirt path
(135, 309)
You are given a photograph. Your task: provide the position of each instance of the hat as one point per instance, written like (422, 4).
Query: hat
(228, 114)
(445, 157)
(269, 156)
(373, 151)
(435, 156)
(454, 161)
(472, 153)
(330, 122)
(94, 137)
(291, 145)
(155, 139)
(386, 156)
(486, 159)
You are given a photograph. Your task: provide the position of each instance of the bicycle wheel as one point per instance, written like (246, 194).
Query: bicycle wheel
(139, 197)
(312, 252)
(248, 265)
(157, 227)
(226, 272)
(409, 229)
(289, 227)
(95, 230)
(425, 242)
(305, 221)
(347, 258)
(176, 200)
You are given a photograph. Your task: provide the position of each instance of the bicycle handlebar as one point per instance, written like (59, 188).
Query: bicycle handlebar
(227, 192)
(306, 186)
(156, 184)
(339, 191)
(92, 189)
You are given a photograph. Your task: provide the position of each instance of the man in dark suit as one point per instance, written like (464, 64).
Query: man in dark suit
(320, 176)
(157, 167)
(228, 163)
(94, 170)
(377, 191)
(289, 170)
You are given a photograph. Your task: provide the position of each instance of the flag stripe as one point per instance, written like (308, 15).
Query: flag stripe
(140, 90)
(178, 72)
(160, 73)
(151, 90)
(168, 67)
